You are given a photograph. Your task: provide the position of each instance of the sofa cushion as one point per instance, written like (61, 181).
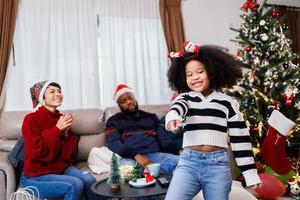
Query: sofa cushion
(10, 124)
(87, 142)
(87, 121)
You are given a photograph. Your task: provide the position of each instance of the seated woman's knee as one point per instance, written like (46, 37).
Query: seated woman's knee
(76, 183)
(88, 179)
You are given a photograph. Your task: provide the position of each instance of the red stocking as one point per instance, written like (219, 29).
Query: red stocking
(273, 152)
(273, 148)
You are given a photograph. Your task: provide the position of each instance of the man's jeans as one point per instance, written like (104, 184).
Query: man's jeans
(71, 185)
(209, 171)
(168, 162)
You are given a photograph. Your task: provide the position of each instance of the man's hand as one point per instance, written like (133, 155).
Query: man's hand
(174, 125)
(179, 152)
(142, 160)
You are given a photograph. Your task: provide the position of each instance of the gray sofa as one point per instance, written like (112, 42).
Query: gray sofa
(89, 124)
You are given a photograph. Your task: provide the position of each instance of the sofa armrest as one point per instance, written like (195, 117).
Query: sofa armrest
(8, 174)
(2, 184)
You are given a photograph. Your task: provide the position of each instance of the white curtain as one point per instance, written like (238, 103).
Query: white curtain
(55, 40)
(132, 50)
(60, 40)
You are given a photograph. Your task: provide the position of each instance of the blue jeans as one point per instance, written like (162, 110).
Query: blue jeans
(72, 184)
(207, 171)
(167, 161)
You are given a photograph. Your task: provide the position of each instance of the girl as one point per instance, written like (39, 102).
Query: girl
(49, 146)
(207, 115)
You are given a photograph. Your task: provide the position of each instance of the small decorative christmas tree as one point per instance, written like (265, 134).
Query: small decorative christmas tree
(115, 178)
(136, 173)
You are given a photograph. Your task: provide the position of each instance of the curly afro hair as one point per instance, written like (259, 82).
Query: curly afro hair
(223, 69)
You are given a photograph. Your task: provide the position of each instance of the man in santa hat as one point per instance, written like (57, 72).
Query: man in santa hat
(136, 135)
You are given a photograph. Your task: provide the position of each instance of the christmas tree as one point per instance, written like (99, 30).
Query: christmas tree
(136, 173)
(115, 178)
(271, 81)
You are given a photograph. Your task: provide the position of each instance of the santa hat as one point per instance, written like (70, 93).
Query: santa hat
(37, 93)
(121, 89)
(292, 181)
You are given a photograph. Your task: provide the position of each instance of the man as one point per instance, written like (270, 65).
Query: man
(135, 134)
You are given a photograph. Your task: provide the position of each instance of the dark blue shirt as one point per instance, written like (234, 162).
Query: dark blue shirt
(127, 135)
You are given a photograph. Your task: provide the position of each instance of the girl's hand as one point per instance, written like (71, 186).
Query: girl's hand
(174, 126)
(65, 121)
(253, 188)
(256, 186)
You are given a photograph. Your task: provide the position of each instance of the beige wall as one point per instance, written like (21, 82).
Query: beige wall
(208, 22)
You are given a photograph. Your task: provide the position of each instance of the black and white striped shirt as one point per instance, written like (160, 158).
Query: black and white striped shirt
(207, 121)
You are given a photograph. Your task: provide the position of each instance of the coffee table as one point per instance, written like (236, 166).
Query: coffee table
(102, 188)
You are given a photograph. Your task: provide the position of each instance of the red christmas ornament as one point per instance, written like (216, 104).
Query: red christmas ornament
(270, 187)
(288, 99)
(274, 13)
(275, 101)
(254, 130)
(248, 48)
(239, 53)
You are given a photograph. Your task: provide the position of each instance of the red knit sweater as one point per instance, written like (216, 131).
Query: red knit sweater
(46, 148)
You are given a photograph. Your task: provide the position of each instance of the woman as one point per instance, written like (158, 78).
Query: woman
(49, 147)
